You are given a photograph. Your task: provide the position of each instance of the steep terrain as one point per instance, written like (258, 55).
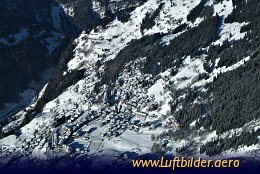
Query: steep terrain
(170, 77)
(32, 36)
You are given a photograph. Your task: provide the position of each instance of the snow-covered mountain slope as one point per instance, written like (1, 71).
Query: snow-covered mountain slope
(170, 77)
(32, 35)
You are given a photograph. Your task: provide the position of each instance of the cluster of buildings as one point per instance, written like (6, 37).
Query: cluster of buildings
(128, 106)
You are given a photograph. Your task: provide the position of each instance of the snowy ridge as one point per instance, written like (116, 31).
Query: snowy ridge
(68, 9)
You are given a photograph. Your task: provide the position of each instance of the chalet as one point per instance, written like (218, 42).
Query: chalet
(141, 115)
(102, 56)
(172, 123)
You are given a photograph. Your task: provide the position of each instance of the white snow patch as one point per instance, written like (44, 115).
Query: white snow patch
(230, 32)
(188, 73)
(157, 90)
(8, 141)
(223, 8)
(219, 70)
(68, 9)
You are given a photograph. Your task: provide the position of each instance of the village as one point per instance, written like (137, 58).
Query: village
(135, 114)
(83, 126)
(123, 108)
(81, 122)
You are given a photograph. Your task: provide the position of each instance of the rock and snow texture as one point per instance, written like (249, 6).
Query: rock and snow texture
(117, 35)
(230, 32)
(125, 126)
